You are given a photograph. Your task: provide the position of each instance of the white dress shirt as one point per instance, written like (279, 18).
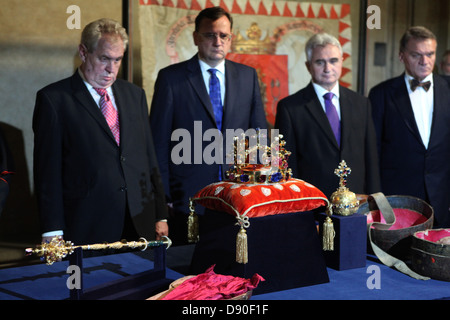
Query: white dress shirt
(320, 91)
(422, 104)
(94, 93)
(220, 74)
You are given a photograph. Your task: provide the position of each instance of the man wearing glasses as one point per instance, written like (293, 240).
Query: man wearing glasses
(190, 97)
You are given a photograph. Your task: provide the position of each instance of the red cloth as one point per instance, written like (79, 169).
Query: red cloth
(212, 286)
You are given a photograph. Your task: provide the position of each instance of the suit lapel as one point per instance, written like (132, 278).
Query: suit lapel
(121, 104)
(441, 102)
(346, 117)
(232, 83)
(195, 77)
(315, 108)
(82, 94)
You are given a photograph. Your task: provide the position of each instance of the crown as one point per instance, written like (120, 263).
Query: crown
(274, 160)
(253, 44)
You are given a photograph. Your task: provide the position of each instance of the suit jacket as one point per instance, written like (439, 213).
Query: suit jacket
(446, 78)
(407, 167)
(181, 102)
(315, 152)
(6, 170)
(85, 182)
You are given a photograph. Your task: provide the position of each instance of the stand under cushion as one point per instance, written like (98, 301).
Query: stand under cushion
(284, 249)
(350, 241)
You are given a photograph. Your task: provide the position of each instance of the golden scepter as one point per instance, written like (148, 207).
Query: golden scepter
(57, 248)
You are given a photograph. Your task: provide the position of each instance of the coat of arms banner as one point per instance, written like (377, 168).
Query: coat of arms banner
(268, 35)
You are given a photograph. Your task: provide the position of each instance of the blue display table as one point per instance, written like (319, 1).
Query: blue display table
(43, 282)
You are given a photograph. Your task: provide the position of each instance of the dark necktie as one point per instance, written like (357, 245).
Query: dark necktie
(110, 113)
(333, 117)
(415, 83)
(216, 100)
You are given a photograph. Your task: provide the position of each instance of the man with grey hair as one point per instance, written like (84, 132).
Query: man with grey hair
(325, 123)
(95, 169)
(411, 114)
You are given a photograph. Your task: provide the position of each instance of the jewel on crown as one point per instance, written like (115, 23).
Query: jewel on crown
(273, 161)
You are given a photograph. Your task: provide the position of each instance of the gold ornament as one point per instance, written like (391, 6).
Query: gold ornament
(242, 246)
(328, 231)
(274, 167)
(343, 201)
(253, 42)
(57, 248)
(193, 233)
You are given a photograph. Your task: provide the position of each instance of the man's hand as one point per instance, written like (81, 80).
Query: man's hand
(162, 229)
(50, 238)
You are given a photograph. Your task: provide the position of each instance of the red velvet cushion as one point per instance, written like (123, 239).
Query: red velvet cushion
(257, 200)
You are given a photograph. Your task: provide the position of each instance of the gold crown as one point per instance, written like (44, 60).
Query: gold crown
(273, 169)
(253, 44)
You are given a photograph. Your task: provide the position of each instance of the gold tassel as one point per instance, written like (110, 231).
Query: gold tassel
(192, 232)
(328, 235)
(328, 232)
(241, 247)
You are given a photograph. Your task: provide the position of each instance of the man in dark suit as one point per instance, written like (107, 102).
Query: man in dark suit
(318, 145)
(6, 170)
(181, 105)
(445, 63)
(94, 186)
(412, 121)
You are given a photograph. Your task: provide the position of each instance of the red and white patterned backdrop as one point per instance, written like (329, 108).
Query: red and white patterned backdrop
(282, 29)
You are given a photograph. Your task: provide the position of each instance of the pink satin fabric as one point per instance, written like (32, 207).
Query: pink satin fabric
(404, 218)
(436, 235)
(212, 286)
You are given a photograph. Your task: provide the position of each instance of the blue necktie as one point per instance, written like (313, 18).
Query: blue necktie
(333, 117)
(216, 100)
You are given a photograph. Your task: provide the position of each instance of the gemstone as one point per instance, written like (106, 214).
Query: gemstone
(244, 178)
(276, 177)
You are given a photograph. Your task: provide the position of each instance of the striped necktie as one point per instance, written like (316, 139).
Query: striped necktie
(110, 113)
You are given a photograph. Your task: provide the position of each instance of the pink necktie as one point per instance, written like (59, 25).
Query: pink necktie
(110, 113)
